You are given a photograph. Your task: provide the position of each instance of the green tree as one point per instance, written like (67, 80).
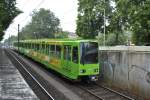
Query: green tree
(140, 22)
(62, 34)
(124, 15)
(27, 32)
(91, 17)
(8, 12)
(118, 23)
(132, 15)
(44, 24)
(10, 40)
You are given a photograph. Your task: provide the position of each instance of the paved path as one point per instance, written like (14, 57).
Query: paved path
(12, 84)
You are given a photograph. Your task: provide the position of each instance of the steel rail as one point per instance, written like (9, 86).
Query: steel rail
(105, 88)
(116, 92)
(13, 55)
(100, 98)
(84, 88)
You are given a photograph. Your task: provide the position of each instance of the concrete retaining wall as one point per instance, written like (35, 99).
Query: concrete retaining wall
(127, 68)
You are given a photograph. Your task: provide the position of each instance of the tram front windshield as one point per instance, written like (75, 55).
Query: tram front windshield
(88, 53)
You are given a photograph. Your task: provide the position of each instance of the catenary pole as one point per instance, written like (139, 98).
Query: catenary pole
(18, 36)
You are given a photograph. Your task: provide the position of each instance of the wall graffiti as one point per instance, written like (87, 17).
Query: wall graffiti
(127, 68)
(147, 75)
(110, 68)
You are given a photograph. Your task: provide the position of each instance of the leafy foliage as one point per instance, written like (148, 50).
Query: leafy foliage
(124, 15)
(119, 21)
(8, 12)
(10, 40)
(44, 24)
(62, 34)
(111, 39)
(135, 17)
(141, 22)
(91, 17)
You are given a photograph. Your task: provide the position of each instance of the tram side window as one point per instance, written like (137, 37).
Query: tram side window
(28, 46)
(25, 45)
(18, 44)
(58, 51)
(75, 54)
(52, 50)
(47, 49)
(43, 48)
(38, 47)
(67, 53)
(22, 45)
(34, 47)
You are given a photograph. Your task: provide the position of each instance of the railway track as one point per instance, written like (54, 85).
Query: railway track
(34, 83)
(98, 91)
(104, 93)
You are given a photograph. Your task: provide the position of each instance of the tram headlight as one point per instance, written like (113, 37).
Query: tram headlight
(82, 71)
(96, 70)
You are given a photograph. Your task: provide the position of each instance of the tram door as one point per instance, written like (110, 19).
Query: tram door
(67, 59)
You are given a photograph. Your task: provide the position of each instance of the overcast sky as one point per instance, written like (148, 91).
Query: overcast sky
(65, 10)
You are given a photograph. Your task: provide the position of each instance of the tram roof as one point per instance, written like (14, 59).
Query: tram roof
(58, 40)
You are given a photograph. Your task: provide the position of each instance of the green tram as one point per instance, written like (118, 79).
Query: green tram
(74, 59)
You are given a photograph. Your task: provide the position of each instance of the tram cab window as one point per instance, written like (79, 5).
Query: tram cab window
(75, 55)
(89, 52)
